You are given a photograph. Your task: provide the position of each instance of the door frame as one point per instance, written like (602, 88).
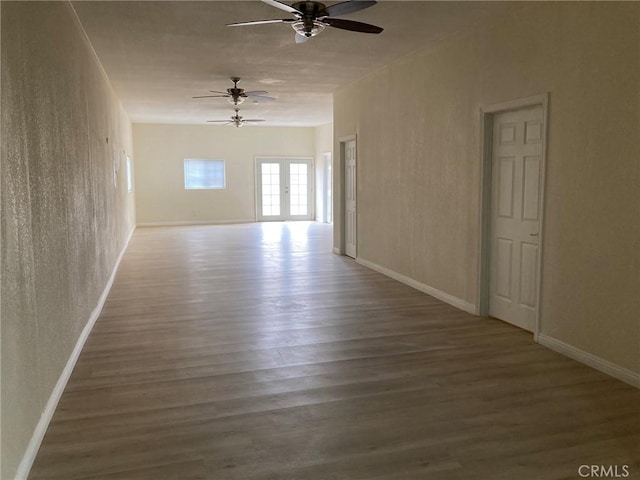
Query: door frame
(327, 175)
(342, 141)
(487, 114)
(258, 185)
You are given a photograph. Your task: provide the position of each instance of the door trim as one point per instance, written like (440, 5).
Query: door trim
(486, 137)
(327, 199)
(343, 202)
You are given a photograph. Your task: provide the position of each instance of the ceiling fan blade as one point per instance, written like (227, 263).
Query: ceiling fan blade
(261, 98)
(282, 6)
(255, 92)
(210, 96)
(352, 26)
(217, 121)
(259, 22)
(221, 93)
(350, 6)
(301, 38)
(252, 120)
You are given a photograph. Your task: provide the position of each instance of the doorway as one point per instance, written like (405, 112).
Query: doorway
(285, 189)
(513, 186)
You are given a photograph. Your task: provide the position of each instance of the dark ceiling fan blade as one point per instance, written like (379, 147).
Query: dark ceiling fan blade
(256, 92)
(216, 91)
(252, 120)
(352, 26)
(259, 22)
(350, 6)
(282, 6)
(211, 96)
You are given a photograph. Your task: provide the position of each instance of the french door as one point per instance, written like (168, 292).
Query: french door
(284, 189)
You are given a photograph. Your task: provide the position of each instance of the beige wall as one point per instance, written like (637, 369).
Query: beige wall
(161, 149)
(63, 222)
(323, 144)
(419, 164)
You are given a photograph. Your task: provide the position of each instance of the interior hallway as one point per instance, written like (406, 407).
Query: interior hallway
(252, 352)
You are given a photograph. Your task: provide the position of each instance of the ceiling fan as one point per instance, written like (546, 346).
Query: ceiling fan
(311, 17)
(237, 95)
(236, 120)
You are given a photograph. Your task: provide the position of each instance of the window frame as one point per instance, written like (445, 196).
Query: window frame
(192, 164)
(129, 170)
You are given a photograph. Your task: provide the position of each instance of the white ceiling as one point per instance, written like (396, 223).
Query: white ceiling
(158, 55)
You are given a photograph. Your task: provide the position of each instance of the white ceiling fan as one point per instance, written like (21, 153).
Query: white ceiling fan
(236, 120)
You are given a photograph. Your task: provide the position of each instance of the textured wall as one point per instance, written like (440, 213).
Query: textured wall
(63, 221)
(419, 163)
(160, 151)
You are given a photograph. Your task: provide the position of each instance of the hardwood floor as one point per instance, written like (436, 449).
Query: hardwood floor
(252, 352)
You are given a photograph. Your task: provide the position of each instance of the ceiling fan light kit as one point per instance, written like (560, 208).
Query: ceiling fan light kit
(301, 28)
(235, 101)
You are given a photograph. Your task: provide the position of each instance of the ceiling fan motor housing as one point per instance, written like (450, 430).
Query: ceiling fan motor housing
(237, 94)
(308, 24)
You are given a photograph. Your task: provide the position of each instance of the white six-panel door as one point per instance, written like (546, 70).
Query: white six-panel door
(515, 215)
(350, 230)
(284, 189)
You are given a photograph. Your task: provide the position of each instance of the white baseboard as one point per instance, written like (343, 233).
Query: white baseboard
(591, 360)
(434, 292)
(41, 428)
(195, 222)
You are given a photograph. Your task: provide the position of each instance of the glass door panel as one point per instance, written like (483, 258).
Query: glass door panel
(270, 191)
(298, 189)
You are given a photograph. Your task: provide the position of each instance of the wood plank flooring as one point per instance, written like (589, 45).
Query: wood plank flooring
(252, 352)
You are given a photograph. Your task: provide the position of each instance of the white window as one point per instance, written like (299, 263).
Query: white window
(201, 173)
(129, 174)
